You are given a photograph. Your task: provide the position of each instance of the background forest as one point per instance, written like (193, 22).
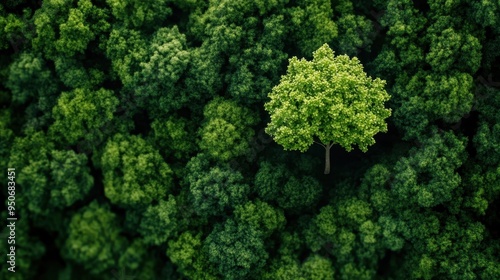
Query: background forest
(137, 130)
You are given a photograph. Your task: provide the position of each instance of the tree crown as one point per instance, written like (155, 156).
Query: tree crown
(329, 98)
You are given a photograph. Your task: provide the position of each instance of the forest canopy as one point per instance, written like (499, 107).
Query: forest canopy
(172, 139)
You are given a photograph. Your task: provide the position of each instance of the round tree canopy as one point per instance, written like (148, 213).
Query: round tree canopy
(330, 99)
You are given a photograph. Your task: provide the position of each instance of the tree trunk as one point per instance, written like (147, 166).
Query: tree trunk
(327, 158)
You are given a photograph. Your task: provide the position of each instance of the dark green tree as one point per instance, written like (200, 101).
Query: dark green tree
(159, 222)
(150, 68)
(241, 49)
(276, 183)
(94, 239)
(428, 176)
(30, 78)
(51, 179)
(174, 136)
(236, 250)
(261, 216)
(214, 189)
(166, 61)
(66, 28)
(312, 25)
(137, 14)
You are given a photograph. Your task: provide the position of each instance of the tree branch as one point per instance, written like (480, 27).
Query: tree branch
(320, 144)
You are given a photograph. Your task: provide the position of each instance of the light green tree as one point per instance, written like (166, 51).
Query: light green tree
(187, 253)
(134, 172)
(226, 132)
(81, 114)
(330, 99)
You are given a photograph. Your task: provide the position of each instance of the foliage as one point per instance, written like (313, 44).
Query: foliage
(330, 98)
(186, 252)
(312, 25)
(51, 179)
(241, 49)
(167, 59)
(428, 176)
(225, 133)
(236, 250)
(141, 134)
(134, 173)
(137, 14)
(278, 184)
(261, 216)
(214, 189)
(29, 78)
(82, 113)
(94, 239)
(173, 136)
(159, 222)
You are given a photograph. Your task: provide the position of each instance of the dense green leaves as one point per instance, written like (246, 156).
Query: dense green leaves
(150, 69)
(261, 216)
(134, 172)
(226, 131)
(51, 179)
(74, 73)
(453, 48)
(173, 136)
(278, 184)
(312, 25)
(186, 252)
(236, 250)
(135, 13)
(82, 113)
(440, 97)
(429, 175)
(356, 34)
(74, 34)
(142, 150)
(94, 239)
(13, 29)
(329, 98)
(241, 49)
(155, 82)
(30, 78)
(159, 222)
(214, 189)
(66, 28)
